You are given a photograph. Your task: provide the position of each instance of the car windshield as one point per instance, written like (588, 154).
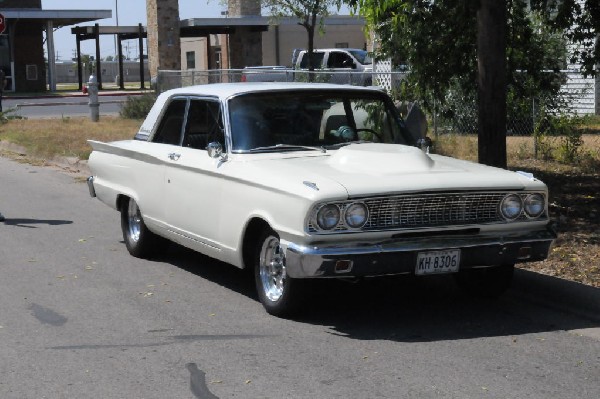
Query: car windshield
(362, 56)
(301, 120)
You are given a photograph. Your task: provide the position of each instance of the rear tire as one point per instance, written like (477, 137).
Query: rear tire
(279, 294)
(489, 282)
(140, 242)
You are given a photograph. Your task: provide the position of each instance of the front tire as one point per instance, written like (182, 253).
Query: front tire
(140, 242)
(489, 282)
(279, 294)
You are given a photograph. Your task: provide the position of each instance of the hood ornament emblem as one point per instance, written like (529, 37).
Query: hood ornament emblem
(311, 185)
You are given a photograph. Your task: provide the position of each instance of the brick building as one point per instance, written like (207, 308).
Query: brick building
(22, 42)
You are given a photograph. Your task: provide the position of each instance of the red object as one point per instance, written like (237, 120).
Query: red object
(2, 24)
(84, 89)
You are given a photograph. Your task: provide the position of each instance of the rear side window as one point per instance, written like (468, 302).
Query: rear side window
(170, 128)
(317, 60)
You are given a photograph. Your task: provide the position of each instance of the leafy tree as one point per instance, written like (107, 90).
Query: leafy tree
(579, 20)
(496, 43)
(310, 14)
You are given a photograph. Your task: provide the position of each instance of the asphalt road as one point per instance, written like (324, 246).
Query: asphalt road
(54, 107)
(80, 318)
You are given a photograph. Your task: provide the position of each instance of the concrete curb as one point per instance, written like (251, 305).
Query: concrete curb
(59, 103)
(554, 292)
(108, 93)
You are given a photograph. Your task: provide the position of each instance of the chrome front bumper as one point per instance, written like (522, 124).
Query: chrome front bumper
(90, 183)
(399, 256)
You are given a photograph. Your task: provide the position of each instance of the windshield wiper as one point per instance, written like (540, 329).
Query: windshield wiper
(339, 145)
(286, 147)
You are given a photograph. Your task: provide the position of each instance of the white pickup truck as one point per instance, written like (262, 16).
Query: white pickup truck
(334, 65)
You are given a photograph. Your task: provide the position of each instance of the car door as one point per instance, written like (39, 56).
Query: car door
(193, 182)
(149, 173)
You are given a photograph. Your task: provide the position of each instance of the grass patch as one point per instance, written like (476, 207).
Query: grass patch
(66, 137)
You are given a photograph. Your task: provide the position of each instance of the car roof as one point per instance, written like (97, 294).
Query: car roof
(226, 90)
(338, 49)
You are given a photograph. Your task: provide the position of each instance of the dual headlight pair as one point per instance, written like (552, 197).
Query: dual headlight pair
(513, 205)
(353, 215)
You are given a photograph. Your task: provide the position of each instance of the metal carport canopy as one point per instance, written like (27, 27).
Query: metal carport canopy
(54, 19)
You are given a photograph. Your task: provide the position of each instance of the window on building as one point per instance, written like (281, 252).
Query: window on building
(190, 58)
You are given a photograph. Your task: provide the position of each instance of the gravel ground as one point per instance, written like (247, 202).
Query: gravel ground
(575, 207)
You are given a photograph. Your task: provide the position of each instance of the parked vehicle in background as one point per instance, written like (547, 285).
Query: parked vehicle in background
(298, 181)
(267, 74)
(334, 65)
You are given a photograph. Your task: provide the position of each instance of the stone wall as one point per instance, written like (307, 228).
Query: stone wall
(164, 46)
(242, 8)
(245, 45)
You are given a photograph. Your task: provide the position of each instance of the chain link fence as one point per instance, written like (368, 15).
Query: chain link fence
(455, 120)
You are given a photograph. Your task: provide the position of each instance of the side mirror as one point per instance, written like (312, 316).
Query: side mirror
(215, 150)
(425, 143)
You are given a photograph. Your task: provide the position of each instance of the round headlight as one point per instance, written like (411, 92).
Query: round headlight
(356, 215)
(328, 217)
(511, 206)
(534, 205)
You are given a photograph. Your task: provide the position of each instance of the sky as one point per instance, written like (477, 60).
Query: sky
(129, 12)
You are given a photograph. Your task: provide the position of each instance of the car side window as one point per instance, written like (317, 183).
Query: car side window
(171, 126)
(338, 59)
(317, 60)
(203, 124)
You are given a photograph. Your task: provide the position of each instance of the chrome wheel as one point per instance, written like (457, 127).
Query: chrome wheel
(134, 221)
(272, 269)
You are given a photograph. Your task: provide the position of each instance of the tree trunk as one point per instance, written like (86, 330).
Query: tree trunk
(491, 51)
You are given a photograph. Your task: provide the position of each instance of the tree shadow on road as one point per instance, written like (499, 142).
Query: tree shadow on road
(28, 223)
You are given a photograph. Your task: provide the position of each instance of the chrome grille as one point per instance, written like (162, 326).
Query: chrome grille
(426, 210)
(433, 210)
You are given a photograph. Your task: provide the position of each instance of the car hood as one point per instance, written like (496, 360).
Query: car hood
(376, 169)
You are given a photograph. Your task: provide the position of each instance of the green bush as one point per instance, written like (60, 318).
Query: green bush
(562, 128)
(137, 107)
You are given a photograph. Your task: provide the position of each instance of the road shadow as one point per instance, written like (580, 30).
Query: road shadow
(223, 274)
(407, 308)
(28, 223)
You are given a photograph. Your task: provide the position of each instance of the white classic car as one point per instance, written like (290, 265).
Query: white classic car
(300, 181)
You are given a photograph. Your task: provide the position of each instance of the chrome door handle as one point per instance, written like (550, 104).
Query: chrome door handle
(174, 156)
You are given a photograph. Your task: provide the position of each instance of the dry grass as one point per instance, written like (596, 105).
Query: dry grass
(518, 148)
(66, 137)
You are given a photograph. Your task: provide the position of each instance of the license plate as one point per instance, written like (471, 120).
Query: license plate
(435, 262)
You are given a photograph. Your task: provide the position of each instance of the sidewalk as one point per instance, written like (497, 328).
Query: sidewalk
(61, 94)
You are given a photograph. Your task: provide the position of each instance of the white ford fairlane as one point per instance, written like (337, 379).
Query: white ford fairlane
(301, 181)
